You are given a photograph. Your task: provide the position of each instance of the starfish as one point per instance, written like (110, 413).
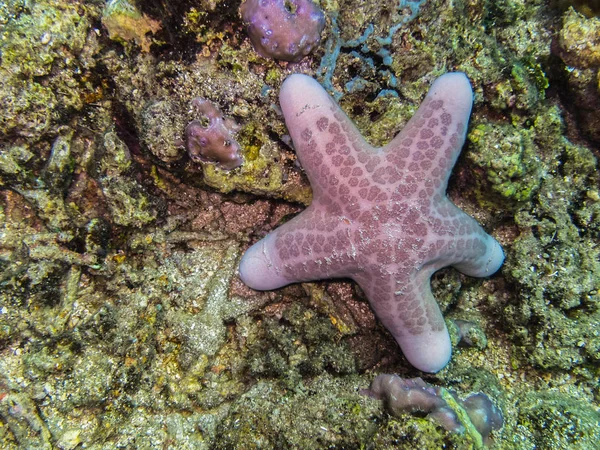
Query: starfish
(379, 216)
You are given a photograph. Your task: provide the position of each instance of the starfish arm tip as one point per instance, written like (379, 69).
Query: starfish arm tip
(429, 352)
(298, 89)
(454, 82)
(258, 270)
(495, 257)
(487, 264)
(301, 98)
(295, 80)
(455, 88)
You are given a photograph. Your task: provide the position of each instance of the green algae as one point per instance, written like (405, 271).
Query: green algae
(48, 37)
(301, 344)
(160, 125)
(579, 49)
(462, 415)
(127, 200)
(510, 158)
(549, 417)
(555, 263)
(590, 8)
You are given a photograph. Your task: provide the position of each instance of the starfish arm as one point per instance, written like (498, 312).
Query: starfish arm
(466, 245)
(311, 246)
(261, 268)
(406, 307)
(432, 140)
(483, 259)
(320, 130)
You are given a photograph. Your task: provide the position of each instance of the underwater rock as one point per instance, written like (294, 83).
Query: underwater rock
(160, 125)
(125, 22)
(578, 40)
(127, 200)
(579, 48)
(469, 334)
(42, 45)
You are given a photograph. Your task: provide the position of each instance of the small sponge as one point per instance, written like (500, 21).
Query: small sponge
(213, 140)
(283, 29)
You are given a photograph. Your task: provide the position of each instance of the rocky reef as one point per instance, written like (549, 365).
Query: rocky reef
(123, 321)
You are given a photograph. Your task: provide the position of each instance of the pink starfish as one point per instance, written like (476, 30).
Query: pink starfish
(379, 215)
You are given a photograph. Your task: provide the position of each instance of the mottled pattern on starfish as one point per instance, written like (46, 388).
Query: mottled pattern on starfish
(379, 215)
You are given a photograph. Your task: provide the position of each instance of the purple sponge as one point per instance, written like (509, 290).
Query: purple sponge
(212, 140)
(402, 395)
(283, 29)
